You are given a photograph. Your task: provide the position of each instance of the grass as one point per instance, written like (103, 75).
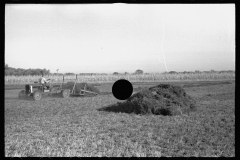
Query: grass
(74, 127)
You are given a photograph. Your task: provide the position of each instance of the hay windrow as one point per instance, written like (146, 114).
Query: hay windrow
(163, 99)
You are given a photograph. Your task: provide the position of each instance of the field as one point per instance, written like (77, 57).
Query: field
(75, 126)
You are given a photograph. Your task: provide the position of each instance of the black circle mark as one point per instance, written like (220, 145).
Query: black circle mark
(122, 89)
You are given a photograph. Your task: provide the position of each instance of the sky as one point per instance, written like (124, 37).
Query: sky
(107, 38)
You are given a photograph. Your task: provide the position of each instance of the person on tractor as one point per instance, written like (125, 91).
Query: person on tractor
(44, 82)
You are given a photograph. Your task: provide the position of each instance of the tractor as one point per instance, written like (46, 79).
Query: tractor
(36, 91)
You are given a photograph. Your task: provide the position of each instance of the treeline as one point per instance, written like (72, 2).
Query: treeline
(197, 72)
(10, 71)
(24, 72)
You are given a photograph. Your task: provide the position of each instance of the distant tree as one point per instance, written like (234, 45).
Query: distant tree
(6, 66)
(69, 74)
(115, 73)
(197, 71)
(20, 71)
(229, 71)
(126, 73)
(212, 71)
(10, 72)
(139, 71)
(172, 72)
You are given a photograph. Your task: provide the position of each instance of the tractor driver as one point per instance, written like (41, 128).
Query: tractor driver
(44, 82)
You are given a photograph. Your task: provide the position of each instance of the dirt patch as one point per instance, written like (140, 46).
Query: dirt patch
(163, 99)
(79, 86)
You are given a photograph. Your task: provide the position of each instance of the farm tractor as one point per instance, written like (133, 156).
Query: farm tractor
(37, 90)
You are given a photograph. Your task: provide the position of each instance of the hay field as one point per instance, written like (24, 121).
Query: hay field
(75, 126)
(155, 77)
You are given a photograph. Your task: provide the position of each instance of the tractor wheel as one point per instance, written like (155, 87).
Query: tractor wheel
(21, 94)
(37, 96)
(65, 93)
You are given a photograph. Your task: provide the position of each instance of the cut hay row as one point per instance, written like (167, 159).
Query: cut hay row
(131, 78)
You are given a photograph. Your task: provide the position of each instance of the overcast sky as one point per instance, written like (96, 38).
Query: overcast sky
(109, 38)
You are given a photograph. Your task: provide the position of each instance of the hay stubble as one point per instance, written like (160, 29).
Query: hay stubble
(74, 127)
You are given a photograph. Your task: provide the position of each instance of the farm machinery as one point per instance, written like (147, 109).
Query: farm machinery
(37, 90)
(81, 91)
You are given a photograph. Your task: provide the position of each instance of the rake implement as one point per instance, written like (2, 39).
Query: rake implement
(82, 92)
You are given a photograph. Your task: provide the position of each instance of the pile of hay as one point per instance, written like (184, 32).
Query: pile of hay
(79, 86)
(163, 99)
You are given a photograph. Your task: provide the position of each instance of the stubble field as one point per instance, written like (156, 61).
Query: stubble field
(75, 127)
